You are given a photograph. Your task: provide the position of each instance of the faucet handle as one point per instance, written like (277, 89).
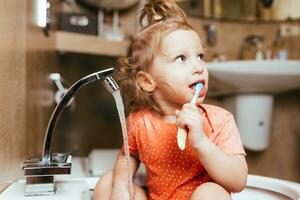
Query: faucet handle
(57, 79)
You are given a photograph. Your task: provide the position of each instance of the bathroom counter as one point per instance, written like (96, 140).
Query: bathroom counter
(65, 190)
(68, 187)
(3, 186)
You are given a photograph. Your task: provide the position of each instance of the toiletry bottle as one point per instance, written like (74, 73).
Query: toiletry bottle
(279, 47)
(259, 53)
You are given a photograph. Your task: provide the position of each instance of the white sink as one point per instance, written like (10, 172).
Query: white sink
(79, 185)
(253, 76)
(258, 188)
(248, 88)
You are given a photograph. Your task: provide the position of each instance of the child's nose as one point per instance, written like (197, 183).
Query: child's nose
(199, 68)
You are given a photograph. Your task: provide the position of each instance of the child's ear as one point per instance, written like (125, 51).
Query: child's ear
(146, 81)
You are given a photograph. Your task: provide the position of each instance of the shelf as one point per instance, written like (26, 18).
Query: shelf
(89, 44)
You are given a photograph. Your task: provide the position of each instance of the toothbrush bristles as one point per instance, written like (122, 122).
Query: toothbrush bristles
(197, 92)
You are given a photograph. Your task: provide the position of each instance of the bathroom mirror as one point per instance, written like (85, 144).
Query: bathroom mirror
(243, 10)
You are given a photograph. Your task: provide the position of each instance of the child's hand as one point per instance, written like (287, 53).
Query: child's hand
(190, 117)
(120, 193)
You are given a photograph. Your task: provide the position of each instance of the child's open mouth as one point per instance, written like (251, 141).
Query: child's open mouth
(193, 87)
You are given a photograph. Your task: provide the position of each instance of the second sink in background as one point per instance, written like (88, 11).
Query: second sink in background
(236, 77)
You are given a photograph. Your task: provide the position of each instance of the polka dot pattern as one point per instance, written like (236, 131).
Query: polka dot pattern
(172, 174)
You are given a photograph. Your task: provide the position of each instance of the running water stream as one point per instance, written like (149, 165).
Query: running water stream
(119, 103)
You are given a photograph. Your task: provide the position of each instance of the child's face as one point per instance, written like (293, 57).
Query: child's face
(177, 68)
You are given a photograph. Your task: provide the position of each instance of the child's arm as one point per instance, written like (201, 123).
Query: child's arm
(120, 176)
(230, 171)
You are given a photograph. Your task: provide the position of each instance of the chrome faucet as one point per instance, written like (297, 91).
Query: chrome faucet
(40, 171)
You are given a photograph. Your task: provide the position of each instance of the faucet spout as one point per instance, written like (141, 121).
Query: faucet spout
(104, 75)
(110, 84)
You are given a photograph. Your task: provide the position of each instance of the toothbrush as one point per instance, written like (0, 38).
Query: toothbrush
(182, 132)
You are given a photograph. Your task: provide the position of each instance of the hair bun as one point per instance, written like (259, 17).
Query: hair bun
(161, 10)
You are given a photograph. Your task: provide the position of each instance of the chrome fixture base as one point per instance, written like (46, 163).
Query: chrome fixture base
(40, 177)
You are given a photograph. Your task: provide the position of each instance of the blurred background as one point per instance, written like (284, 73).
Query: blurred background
(75, 38)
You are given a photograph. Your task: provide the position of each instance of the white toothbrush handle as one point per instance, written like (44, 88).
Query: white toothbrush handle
(181, 137)
(182, 132)
(196, 95)
(194, 99)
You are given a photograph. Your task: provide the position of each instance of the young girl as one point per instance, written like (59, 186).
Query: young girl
(158, 78)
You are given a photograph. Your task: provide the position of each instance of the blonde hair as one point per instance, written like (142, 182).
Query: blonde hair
(164, 17)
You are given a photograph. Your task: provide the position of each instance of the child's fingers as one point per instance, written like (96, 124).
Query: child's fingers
(189, 112)
(184, 119)
(189, 106)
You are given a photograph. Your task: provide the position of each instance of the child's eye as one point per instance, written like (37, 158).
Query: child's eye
(180, 58)
(200, 56)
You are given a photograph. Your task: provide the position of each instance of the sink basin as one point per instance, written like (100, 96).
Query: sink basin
(80, 184)
(248, 88)
(253, 76)
(258, 188)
